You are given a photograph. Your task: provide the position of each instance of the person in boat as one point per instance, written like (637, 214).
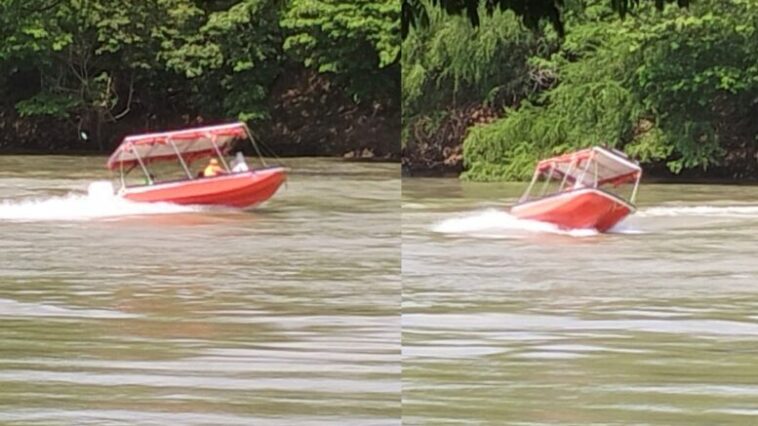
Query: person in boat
(213, 169)
(239, 165)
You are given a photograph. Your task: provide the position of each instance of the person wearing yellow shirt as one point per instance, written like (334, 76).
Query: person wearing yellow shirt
(213, 169)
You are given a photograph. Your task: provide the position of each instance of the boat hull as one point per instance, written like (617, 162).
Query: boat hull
(240, 190)
(577, 209)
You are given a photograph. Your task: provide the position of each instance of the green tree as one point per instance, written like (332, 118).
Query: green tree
(675, 86)
(358, 42)
(448, 62)
(532, 12)
(91, 54)
(91, 63)
(232, 58)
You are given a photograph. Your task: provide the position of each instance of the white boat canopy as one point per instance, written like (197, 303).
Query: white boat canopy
(592, 167)
(587, 168)
(187, 144)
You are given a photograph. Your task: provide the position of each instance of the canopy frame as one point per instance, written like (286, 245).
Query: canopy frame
(218, 151)
(573, 169)
(165, 146)
(181, 159)
(144, 168)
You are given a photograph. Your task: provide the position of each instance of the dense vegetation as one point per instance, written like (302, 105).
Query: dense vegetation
(455, 76)
(300, 70)
(531, 12)
(676, 88)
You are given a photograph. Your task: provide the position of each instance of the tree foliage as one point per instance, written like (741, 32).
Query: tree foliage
(532, 12)
(678, 86)
(94, 62)
(449, 64)
(236, 51)
(358, 40)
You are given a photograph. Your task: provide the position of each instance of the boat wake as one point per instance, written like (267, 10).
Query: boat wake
(495, 223)
(99, 203)
(702, 211)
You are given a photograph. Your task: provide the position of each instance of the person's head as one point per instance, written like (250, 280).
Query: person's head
(214, 162)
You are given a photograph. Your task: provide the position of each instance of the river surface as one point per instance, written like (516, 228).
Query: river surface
(515, 322)
(115, 313)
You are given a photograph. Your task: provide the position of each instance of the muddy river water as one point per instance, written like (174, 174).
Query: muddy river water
(514, 322)
(114, 313)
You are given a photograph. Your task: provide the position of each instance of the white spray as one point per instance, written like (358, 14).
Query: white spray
(99, 202)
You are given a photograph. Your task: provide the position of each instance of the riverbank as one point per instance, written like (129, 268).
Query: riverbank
(434, 148)
(656, 173)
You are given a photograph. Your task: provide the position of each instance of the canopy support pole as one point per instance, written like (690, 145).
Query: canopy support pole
(220, 155)
(590, 160)
(144, 169)
(595, 183)
(636, 186)
(121, 169)
(535, 176)
(548, 179)
(255, 145)
(568, 172)
(181, 159)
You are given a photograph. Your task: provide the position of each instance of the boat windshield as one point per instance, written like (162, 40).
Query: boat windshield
(596, 167)
(174, 171)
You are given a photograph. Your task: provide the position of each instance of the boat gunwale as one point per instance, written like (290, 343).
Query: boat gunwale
(137, 189)
(614, 197)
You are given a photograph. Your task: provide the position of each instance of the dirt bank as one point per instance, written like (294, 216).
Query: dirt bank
(434, 148)
(434, 145)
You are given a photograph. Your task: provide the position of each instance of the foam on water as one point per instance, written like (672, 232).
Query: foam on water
(498, 223)
(624, 227)
(100, 202)
(705, 211)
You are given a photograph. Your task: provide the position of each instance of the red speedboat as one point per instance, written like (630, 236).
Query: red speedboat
(234, 185)
(582, 190)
